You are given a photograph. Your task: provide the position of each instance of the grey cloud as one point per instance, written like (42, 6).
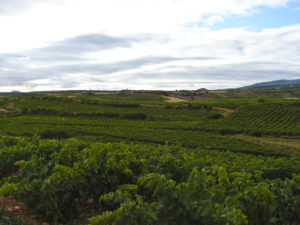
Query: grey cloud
(108, 68)
(88, 43)
(94, 69)
(230, 74)
(15, 6)
(21, 74)
(68, 53)
(60, 84)
(8, 79)
(7, 6)
(235, 73)
(276, 58)
(73, 49)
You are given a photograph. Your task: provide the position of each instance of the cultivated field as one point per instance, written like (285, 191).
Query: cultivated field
(150, 158)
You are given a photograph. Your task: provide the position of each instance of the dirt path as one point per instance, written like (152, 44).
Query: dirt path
(173, 99)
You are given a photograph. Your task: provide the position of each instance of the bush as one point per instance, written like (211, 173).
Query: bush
(135, 116)
(215, 116)
(261, 100)
(256, 133)
(54, 134)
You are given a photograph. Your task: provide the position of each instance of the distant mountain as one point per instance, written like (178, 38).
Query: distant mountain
(273, 83)
(202, 89)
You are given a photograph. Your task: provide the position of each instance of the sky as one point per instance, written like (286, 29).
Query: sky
(147, 44)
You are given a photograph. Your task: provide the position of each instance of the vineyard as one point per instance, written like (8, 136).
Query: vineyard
(94, 161)
(266, 118)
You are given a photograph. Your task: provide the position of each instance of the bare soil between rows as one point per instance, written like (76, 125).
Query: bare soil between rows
(19, 210)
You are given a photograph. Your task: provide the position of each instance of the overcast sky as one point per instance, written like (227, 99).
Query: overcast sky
(147, 44)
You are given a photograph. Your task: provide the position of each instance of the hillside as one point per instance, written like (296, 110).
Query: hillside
(273, 83)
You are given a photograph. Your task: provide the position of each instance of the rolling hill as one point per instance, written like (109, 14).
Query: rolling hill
(273, 83)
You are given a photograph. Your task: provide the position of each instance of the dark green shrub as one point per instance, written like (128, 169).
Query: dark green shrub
(215, 116)
(135, 116)
(54, 134)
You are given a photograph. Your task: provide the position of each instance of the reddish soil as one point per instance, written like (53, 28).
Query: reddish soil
(9, 204)
(19, 210)
(11, 105)
(298, 122)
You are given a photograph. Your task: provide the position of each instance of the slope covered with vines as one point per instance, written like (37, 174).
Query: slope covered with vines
(265, 118)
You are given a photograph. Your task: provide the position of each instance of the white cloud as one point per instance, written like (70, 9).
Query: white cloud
(212, 20)
(142, 44)
(45, 21)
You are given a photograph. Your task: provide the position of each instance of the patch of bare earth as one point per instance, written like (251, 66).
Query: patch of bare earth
(53, 94)
(224, 111)
(105, 93)
(11, 105)
(3, 111)
(173, 99)
(153, 106)
(298, 122)
(19, 210)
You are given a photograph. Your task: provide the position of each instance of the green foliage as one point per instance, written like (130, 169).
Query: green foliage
(215, 116)
(13, 150)
(90, 108)
(54, 134)
(128, 130)
(147, 184)
(261, 100)
(210, 196)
